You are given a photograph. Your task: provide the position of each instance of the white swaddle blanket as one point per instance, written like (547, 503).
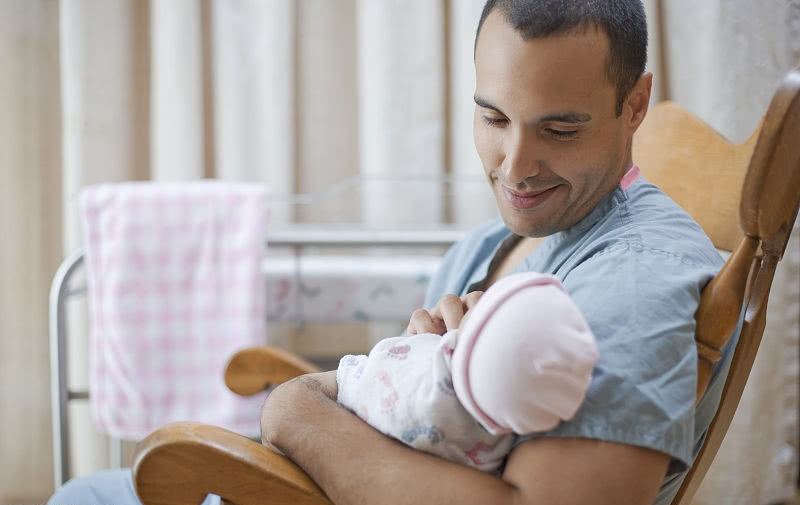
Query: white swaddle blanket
(521, 363)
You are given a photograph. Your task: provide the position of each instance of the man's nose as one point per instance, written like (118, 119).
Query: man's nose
(521, 160)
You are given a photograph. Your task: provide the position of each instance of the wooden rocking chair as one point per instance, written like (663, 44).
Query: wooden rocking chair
(713, 180)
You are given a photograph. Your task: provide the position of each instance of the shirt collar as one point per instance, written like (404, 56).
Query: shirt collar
(605, 205)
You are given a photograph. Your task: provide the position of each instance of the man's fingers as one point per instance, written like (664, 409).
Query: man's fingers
(470, 299)
(422, 322)
(452, 310)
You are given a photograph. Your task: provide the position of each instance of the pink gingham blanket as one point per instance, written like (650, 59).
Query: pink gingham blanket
(175, 288)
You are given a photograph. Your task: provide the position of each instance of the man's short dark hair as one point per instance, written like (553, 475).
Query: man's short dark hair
(623, 21)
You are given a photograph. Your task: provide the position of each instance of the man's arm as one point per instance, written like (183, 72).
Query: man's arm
(355, 464)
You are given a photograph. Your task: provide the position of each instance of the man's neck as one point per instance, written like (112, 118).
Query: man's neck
(523, 248)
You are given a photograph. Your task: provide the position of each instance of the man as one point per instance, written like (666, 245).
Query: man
(561, 89)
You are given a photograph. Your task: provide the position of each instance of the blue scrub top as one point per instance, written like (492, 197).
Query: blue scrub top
(635, 266)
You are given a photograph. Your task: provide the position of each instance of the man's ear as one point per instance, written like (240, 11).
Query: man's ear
(639, 99)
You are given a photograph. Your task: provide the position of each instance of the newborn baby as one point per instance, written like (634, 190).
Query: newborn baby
(520, 363)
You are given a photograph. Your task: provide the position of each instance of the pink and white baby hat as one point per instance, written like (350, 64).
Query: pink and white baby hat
(524, 357)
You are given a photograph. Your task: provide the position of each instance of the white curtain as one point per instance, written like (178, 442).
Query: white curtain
(300, 94)
(30, 241)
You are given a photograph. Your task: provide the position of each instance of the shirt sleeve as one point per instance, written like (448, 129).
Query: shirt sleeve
(640, 304)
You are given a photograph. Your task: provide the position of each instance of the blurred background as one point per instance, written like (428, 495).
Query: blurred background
(300, 95)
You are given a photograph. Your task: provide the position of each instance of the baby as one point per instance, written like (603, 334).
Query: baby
(520, 363)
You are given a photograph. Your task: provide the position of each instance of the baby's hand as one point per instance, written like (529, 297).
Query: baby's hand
(447, 315)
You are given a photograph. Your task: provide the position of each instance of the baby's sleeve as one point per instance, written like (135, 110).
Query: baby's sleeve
(524, 359)
(396, 386)
(348, 380)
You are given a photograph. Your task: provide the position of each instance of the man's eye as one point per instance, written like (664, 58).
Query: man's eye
(560, 134)
(494, 121)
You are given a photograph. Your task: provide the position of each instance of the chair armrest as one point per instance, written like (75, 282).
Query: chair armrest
(252, 370)
(183, 462)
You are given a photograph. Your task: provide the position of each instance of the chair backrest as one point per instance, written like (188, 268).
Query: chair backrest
(714, 182)
(704, 174)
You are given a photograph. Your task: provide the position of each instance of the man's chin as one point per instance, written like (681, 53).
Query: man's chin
(536, 222)
(525, 226)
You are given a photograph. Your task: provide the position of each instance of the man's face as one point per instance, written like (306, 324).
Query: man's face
(545, 125)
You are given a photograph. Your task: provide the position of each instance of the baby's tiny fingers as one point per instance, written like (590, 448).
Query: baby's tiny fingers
(452, 310)
(422, 322)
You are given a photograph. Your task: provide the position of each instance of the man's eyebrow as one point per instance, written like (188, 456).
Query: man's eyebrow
(566, 117)
(486, 104)
(558, 117)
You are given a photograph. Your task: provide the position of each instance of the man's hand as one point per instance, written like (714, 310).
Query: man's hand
(447, 314)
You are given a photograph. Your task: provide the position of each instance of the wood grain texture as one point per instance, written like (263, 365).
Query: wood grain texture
(718, 313)
(183, 462)
(696, 167)
(773, 180)
(252, 370)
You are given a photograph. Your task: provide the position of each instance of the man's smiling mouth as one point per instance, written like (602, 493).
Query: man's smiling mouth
(527, 200)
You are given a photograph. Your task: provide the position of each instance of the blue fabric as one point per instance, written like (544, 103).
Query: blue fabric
(635, 266)
(111, 487)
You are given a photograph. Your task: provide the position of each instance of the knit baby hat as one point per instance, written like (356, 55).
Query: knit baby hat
(524, 357)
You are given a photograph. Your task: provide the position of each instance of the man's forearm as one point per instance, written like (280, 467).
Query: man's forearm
(355, 464)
